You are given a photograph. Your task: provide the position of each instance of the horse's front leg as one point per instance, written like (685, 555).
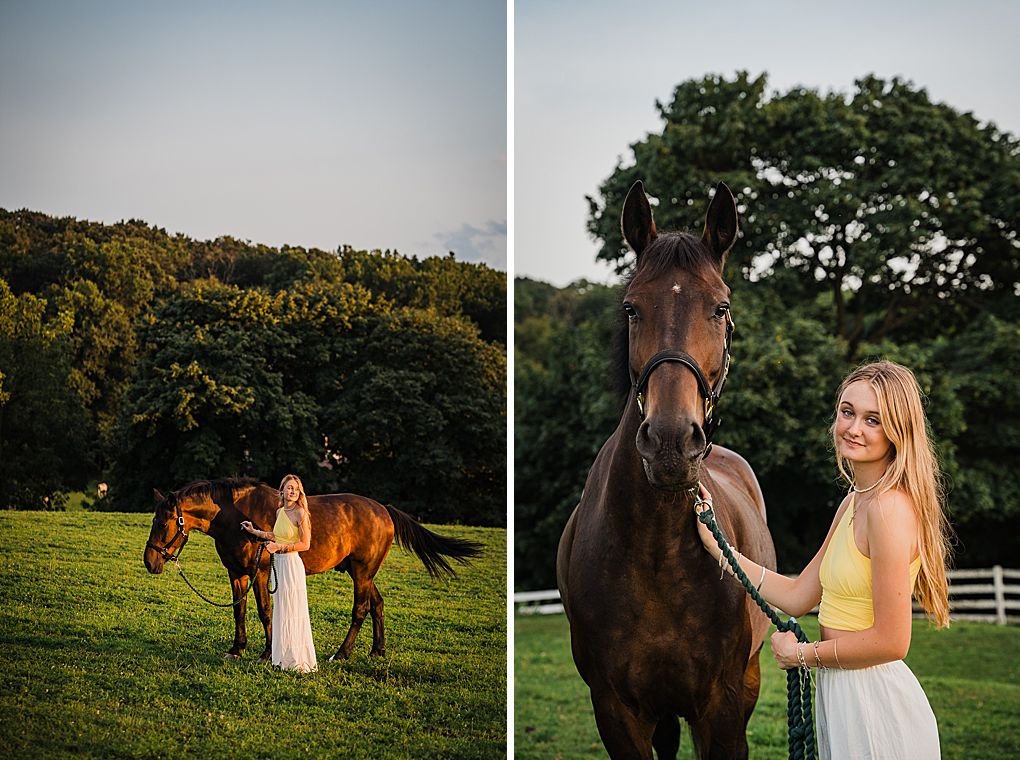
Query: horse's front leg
(238, 587)
(719, 730)
(626, 736)
(265, 612)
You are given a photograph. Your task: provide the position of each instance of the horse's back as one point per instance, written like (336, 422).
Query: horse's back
(347, 525)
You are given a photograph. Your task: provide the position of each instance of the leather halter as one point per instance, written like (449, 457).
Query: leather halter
(166, 551)
(708, 393)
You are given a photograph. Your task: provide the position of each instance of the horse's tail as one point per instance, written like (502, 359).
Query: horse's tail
(430, 547)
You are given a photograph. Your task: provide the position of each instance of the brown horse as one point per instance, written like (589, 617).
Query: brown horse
(654, 632)
(349, 533)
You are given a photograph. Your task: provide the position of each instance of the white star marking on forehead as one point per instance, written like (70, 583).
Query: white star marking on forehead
(676, 288)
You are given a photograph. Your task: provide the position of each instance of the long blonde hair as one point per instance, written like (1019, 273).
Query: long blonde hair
(913, 469)
(302, 499)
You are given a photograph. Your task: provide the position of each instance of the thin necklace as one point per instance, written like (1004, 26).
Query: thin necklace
(855, 489)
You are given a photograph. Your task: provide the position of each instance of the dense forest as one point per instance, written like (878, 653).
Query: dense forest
(874, 225)
(139, 359)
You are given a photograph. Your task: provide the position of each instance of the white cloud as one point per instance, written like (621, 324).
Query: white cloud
(485, 244)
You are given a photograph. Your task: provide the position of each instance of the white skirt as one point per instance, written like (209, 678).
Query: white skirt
(292, 630)
(871, 713)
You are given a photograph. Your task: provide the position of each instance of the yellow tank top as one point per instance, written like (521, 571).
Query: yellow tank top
(845, 575)
(285, 531)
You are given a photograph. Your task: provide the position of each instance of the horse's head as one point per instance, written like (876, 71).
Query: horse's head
(169, 532)
(678, 311)
(196, 506)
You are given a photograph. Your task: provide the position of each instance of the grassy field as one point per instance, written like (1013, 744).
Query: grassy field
(970, 672)
(101, 659)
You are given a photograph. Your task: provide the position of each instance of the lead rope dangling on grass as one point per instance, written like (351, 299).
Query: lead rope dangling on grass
(799, 720)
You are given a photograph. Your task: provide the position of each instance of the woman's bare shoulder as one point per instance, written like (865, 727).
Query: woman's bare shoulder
(892, 518)
(895, 504)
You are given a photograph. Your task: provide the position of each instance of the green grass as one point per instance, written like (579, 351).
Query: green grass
(970, 672)
(102, 659)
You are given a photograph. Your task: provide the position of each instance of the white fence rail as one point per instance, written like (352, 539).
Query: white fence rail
(983, 595)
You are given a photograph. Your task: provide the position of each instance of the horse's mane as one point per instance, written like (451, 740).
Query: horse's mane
(221, 488)
(669, 251)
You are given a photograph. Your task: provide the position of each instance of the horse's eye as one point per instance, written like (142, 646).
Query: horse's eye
(630, 311)
(721, 310)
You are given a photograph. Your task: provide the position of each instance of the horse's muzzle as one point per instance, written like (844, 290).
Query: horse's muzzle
(153, 561)
(672, 454)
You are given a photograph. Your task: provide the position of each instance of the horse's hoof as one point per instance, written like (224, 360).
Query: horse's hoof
(377, 653)
(341, 655)
(231, 656)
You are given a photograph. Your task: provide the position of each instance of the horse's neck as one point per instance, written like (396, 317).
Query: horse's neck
(258, 505)
(205, 514)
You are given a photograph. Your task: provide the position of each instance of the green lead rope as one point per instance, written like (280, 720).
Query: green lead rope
(799, 720)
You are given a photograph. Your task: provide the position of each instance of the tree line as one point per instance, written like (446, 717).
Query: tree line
(143, 359)
(875, 224)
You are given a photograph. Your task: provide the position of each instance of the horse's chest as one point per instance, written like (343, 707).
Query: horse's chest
(654, 631)
(652, 613)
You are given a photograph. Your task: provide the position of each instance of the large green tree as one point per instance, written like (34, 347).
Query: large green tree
(564, 409)
(217, 392)
(420, 417)
(43, 418)
(903, 211)
(402, 405)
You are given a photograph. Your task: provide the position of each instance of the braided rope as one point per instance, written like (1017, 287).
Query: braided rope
(250, 576)
(800, 723)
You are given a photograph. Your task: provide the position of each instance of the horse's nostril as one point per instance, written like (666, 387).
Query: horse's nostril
(648, 441)
(695, 444)
(643, 436)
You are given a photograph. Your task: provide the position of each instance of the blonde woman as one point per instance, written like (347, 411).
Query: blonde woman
(292, 533)
(888, 540)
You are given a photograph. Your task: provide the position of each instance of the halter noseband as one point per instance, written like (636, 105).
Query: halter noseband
(708, 393)
(165, 551)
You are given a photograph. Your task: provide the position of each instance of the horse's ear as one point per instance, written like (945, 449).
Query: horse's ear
(157, 496)
(721, 223)
(636, 220)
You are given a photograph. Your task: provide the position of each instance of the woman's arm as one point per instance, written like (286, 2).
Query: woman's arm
(794, 596)
(263, 534)
(891, 531)
(305, 533)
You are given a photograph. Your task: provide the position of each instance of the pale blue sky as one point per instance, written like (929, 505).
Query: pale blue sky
(587, 75)
(379, 125)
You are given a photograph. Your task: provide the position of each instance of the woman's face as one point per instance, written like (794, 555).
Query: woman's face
(859, 432)
(291, 491)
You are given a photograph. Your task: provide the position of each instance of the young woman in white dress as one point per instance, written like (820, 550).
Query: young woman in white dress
(292, 533)
(888, 540)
